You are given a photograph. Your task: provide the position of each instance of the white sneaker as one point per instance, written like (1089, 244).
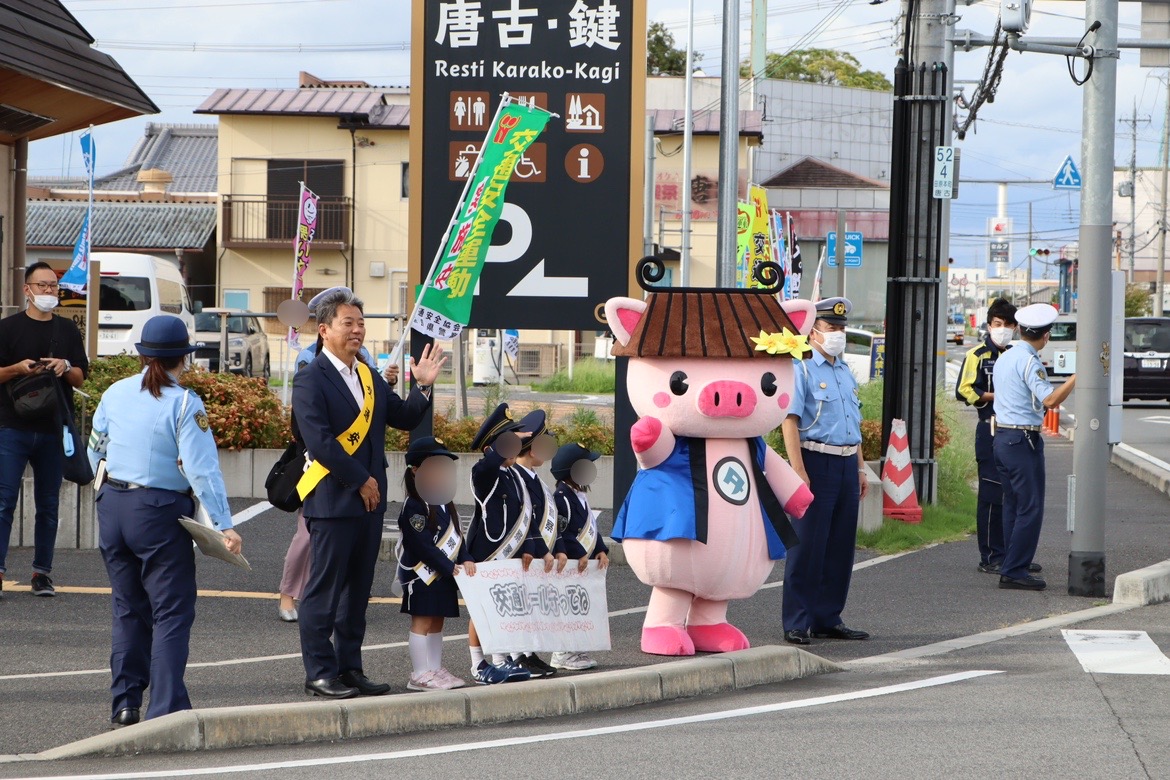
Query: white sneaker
(427, 681)
(573, 662)
(448, 681)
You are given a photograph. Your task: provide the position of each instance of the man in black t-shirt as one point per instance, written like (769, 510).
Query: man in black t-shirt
(34, 341)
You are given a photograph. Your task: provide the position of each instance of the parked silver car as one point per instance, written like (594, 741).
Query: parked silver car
(248, 352)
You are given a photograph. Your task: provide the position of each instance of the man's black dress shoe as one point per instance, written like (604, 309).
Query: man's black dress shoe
(127, 716)
(840, 631)
(1023, 583)
(1035, 568)
(797, 637)
(989, 568)
(330, 689)
(363, 684)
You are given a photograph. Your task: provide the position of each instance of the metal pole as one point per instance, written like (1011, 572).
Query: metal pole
(684, 263)
(648, 192)
(728, 147)
(1159, 277)
(756, 58)
(1086, 561)
(840, 252)
(1028, 271)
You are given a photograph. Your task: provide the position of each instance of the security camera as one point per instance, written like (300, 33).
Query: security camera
(1014, 15)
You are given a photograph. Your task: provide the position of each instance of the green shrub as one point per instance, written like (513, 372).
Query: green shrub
(589, 376)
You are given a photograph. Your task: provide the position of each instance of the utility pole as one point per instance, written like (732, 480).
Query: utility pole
(1086, 560)
(757, 57)
(728, 148)
(1133, 125)
(684, 254)
(1028, 271)
(1160, 277)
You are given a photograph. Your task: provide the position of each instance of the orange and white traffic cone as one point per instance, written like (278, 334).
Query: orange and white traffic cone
(1052, 422)
(900, 499)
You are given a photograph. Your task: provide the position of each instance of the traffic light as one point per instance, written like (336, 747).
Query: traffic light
(1040, 253)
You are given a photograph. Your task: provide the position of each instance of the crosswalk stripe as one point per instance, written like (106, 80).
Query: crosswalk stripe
(1117, 652)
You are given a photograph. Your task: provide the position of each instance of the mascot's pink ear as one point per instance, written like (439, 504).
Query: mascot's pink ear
(802, 313)
(623, 315)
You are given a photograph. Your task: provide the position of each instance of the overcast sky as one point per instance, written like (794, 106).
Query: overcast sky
(179, 50)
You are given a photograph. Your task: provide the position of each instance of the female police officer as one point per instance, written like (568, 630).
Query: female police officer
(160, 455)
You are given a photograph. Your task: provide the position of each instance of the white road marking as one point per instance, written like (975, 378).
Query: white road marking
(986, 637)
(1117, 652)
(244, 515)
(531, 739)
(393, 645)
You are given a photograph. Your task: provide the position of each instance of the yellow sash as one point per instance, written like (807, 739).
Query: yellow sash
(350, 440)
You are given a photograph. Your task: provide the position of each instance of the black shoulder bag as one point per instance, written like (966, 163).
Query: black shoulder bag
(35, 397)
(281, 484)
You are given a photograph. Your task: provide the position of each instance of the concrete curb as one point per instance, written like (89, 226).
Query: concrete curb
(1147, 468)
(317, 721)
(1150, 585)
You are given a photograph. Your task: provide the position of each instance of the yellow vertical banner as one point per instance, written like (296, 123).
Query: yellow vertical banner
(760, 232)
(743, 223)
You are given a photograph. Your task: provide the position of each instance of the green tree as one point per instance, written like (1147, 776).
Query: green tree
(820, 66)
(662, 57)
(1137, 300)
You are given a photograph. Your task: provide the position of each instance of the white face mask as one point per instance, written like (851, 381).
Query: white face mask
(833, 342)
(1001, 336)
(45, 303)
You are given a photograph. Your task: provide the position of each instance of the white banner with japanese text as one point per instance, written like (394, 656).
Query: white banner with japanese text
(531, 611)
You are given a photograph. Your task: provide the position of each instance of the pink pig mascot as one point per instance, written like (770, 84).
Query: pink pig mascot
(705, 518)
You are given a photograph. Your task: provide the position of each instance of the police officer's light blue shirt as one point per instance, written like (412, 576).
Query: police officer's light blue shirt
(135, 433)
(1021, 385)
(826, 399)
(306, 354)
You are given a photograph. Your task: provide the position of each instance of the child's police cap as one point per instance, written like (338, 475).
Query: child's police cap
(427, 447)
(567, 455)
(499, 421)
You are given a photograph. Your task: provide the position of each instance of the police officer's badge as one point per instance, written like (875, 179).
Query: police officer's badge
(1040, 374)
(418, 522)
(202, 421)
(839, 309)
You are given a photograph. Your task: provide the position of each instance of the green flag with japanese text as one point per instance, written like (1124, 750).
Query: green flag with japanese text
(447, 295)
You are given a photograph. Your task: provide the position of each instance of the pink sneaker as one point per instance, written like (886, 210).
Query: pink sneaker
(448, 681)
(427, 681)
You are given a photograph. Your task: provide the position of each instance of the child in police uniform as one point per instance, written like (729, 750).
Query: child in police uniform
(431, 552)
(573, 468)
(535, 451)
(499, 529)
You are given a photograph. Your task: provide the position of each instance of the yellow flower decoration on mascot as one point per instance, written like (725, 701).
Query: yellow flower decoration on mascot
(784, 343)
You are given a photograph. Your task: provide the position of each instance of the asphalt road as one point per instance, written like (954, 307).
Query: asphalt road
(53, 655)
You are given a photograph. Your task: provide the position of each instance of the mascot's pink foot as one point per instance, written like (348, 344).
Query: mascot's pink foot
(719, 638)
(666, 640)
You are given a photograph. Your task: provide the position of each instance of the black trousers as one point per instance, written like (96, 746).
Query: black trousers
(989, 517)
(341, 573)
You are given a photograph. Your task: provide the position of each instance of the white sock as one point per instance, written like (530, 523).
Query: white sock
(499, 659)
(476, 657)
(417, 644)
(435, 650)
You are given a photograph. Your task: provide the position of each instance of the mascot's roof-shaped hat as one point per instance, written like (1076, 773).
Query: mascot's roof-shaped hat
(705, 322)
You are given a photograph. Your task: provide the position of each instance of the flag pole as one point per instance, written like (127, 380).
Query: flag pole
(505, 100)
(89, 318)
(290, 356)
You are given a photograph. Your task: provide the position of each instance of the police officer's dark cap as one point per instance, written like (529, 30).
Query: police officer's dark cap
(499, 421)
(567, 455)
(834, 311)
(165, 335)
(427, 447)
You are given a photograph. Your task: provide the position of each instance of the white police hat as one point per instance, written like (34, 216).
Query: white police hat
(1037, 317)
(316, 299)
(834, 310)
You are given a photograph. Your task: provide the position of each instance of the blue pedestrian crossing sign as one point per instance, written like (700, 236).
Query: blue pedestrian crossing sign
(1068, 177)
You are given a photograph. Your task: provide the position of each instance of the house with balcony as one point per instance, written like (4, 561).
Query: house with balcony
(348, 142)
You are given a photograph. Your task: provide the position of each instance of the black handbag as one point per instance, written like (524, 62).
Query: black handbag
(281, 484)
(35, 397)
(75, 465)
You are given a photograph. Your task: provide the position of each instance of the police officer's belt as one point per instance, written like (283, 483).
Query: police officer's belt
(830, 449)
(1033, 428)
(120, 485)
(349, 440)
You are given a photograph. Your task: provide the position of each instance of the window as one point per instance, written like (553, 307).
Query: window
(1064, 331)
(326, 178)
(1147, 337)
(170, 296)
(236, 299)
(858, 343)
(402, 299)
(125, 293)
(405, 180)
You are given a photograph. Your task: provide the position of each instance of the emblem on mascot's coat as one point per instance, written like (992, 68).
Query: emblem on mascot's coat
(417, 522)
(731, 481)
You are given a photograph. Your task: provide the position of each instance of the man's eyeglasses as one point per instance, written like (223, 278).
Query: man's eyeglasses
(45, 286)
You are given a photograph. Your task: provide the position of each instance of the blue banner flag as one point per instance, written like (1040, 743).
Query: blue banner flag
(77, 277)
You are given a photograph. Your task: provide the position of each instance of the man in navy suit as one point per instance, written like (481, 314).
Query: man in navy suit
(342, 410)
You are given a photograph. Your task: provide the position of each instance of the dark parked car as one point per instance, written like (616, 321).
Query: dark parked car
(1147, 359)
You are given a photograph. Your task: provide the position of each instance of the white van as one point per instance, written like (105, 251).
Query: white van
(135, 288)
